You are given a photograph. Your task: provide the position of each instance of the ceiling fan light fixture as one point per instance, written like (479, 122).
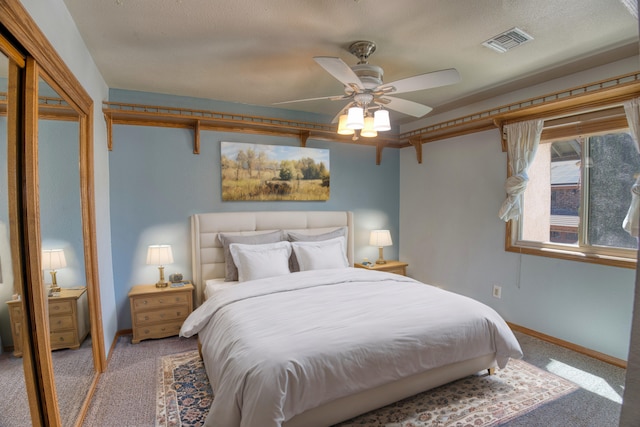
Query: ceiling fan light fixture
(342, 126)
(381, 121)
(368, 130)
(355, 118)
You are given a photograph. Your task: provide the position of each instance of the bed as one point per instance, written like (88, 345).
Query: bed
(295, 350)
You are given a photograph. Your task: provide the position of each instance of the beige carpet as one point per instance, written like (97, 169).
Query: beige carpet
(184, 396)
(73, 373)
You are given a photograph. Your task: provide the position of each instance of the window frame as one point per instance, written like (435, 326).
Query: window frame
(608, 119)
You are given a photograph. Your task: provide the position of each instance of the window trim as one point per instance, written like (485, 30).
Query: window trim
(610, 118)
(540, 249)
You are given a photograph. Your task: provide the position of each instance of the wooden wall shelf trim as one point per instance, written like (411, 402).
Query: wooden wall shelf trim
(594, 95)
(117, 113)
(570, 101)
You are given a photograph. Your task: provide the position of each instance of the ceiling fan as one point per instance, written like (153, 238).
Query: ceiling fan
(367, 94)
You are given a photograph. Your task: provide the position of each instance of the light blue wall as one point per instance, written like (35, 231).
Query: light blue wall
(451, 236)
(6, 279)
(55, 21)
(157, 183)
(60, 208)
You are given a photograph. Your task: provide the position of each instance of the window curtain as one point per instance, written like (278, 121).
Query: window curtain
(631, 222)
(632, 7)
(522, 143)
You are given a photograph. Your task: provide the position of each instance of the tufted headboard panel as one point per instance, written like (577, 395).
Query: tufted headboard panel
(206, 249)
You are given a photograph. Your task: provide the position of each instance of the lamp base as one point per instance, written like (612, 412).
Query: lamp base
(162, 284)
(380, 259)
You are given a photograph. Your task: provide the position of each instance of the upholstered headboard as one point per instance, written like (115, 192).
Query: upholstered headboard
(206, 250)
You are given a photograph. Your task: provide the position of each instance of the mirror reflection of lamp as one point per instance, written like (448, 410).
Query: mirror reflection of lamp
(53, 259)
(160, 255)
(380, 238)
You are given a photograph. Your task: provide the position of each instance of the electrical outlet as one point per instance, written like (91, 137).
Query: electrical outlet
(497, 291)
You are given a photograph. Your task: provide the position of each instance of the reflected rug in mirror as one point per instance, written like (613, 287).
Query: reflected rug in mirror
(184, 397)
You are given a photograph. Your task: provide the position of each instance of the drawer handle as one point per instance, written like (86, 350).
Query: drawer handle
(144, 302)
(146, 317)
(61, 339)
(161, 301)
(179, 313)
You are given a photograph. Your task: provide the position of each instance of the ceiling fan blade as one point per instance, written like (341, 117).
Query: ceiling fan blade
(336, 118)
(332, 98)
(422, 81)
(340, 70)
(404, 106)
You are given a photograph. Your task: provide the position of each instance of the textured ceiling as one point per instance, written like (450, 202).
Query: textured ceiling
(260, 52)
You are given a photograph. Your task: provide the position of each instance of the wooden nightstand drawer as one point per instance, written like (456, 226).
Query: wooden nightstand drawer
(173, 313)
(63, 339)
(151, 302)
(158, 331)
(60, 323)
(60, 307)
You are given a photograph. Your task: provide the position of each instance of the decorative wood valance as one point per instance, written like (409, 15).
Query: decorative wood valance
(595, 95)
(199, 120)
(598, 95)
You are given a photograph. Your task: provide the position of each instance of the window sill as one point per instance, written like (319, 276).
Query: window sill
(575, 256)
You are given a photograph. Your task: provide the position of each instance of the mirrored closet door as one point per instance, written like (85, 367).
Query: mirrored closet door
(62, 249)
(14, 407)
(46, 185)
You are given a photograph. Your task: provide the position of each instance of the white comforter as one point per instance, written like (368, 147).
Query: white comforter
(276, 347)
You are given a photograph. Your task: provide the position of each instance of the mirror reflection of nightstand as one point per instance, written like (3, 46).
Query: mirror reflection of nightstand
(68, 320)
(396, 267)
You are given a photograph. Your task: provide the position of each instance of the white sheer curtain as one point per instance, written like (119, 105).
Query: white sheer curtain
(631, 222)
(522, 143)
(632, 7)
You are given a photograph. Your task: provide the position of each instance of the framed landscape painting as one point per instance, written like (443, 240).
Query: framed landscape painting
(259, 172)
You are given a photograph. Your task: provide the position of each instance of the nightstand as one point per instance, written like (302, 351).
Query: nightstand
(68, 320)
(396, 267)
(159, 312)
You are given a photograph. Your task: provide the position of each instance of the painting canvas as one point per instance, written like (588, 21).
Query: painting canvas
(273, 172)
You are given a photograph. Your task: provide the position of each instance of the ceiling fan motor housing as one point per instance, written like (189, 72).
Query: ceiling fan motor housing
(370, 75)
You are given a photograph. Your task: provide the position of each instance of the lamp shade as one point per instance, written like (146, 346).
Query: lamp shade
(342, 126)
(159, 255)
(53, 259)
(380, 238)
(368, 130)
(355, 118)
(381, 121)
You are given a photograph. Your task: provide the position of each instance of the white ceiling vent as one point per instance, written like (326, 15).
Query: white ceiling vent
(507, 40)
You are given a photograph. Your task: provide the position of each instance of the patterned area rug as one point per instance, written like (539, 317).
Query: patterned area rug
(184, 396)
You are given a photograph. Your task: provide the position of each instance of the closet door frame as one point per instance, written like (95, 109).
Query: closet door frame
(15, 172)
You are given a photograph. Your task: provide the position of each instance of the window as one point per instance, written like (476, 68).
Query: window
(578, 195)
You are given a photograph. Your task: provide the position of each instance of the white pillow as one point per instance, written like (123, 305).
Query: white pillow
(321, 255)
(260, 261)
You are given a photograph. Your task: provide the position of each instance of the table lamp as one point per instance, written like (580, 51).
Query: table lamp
(53, 259)
(380, 238)
(160, 255)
